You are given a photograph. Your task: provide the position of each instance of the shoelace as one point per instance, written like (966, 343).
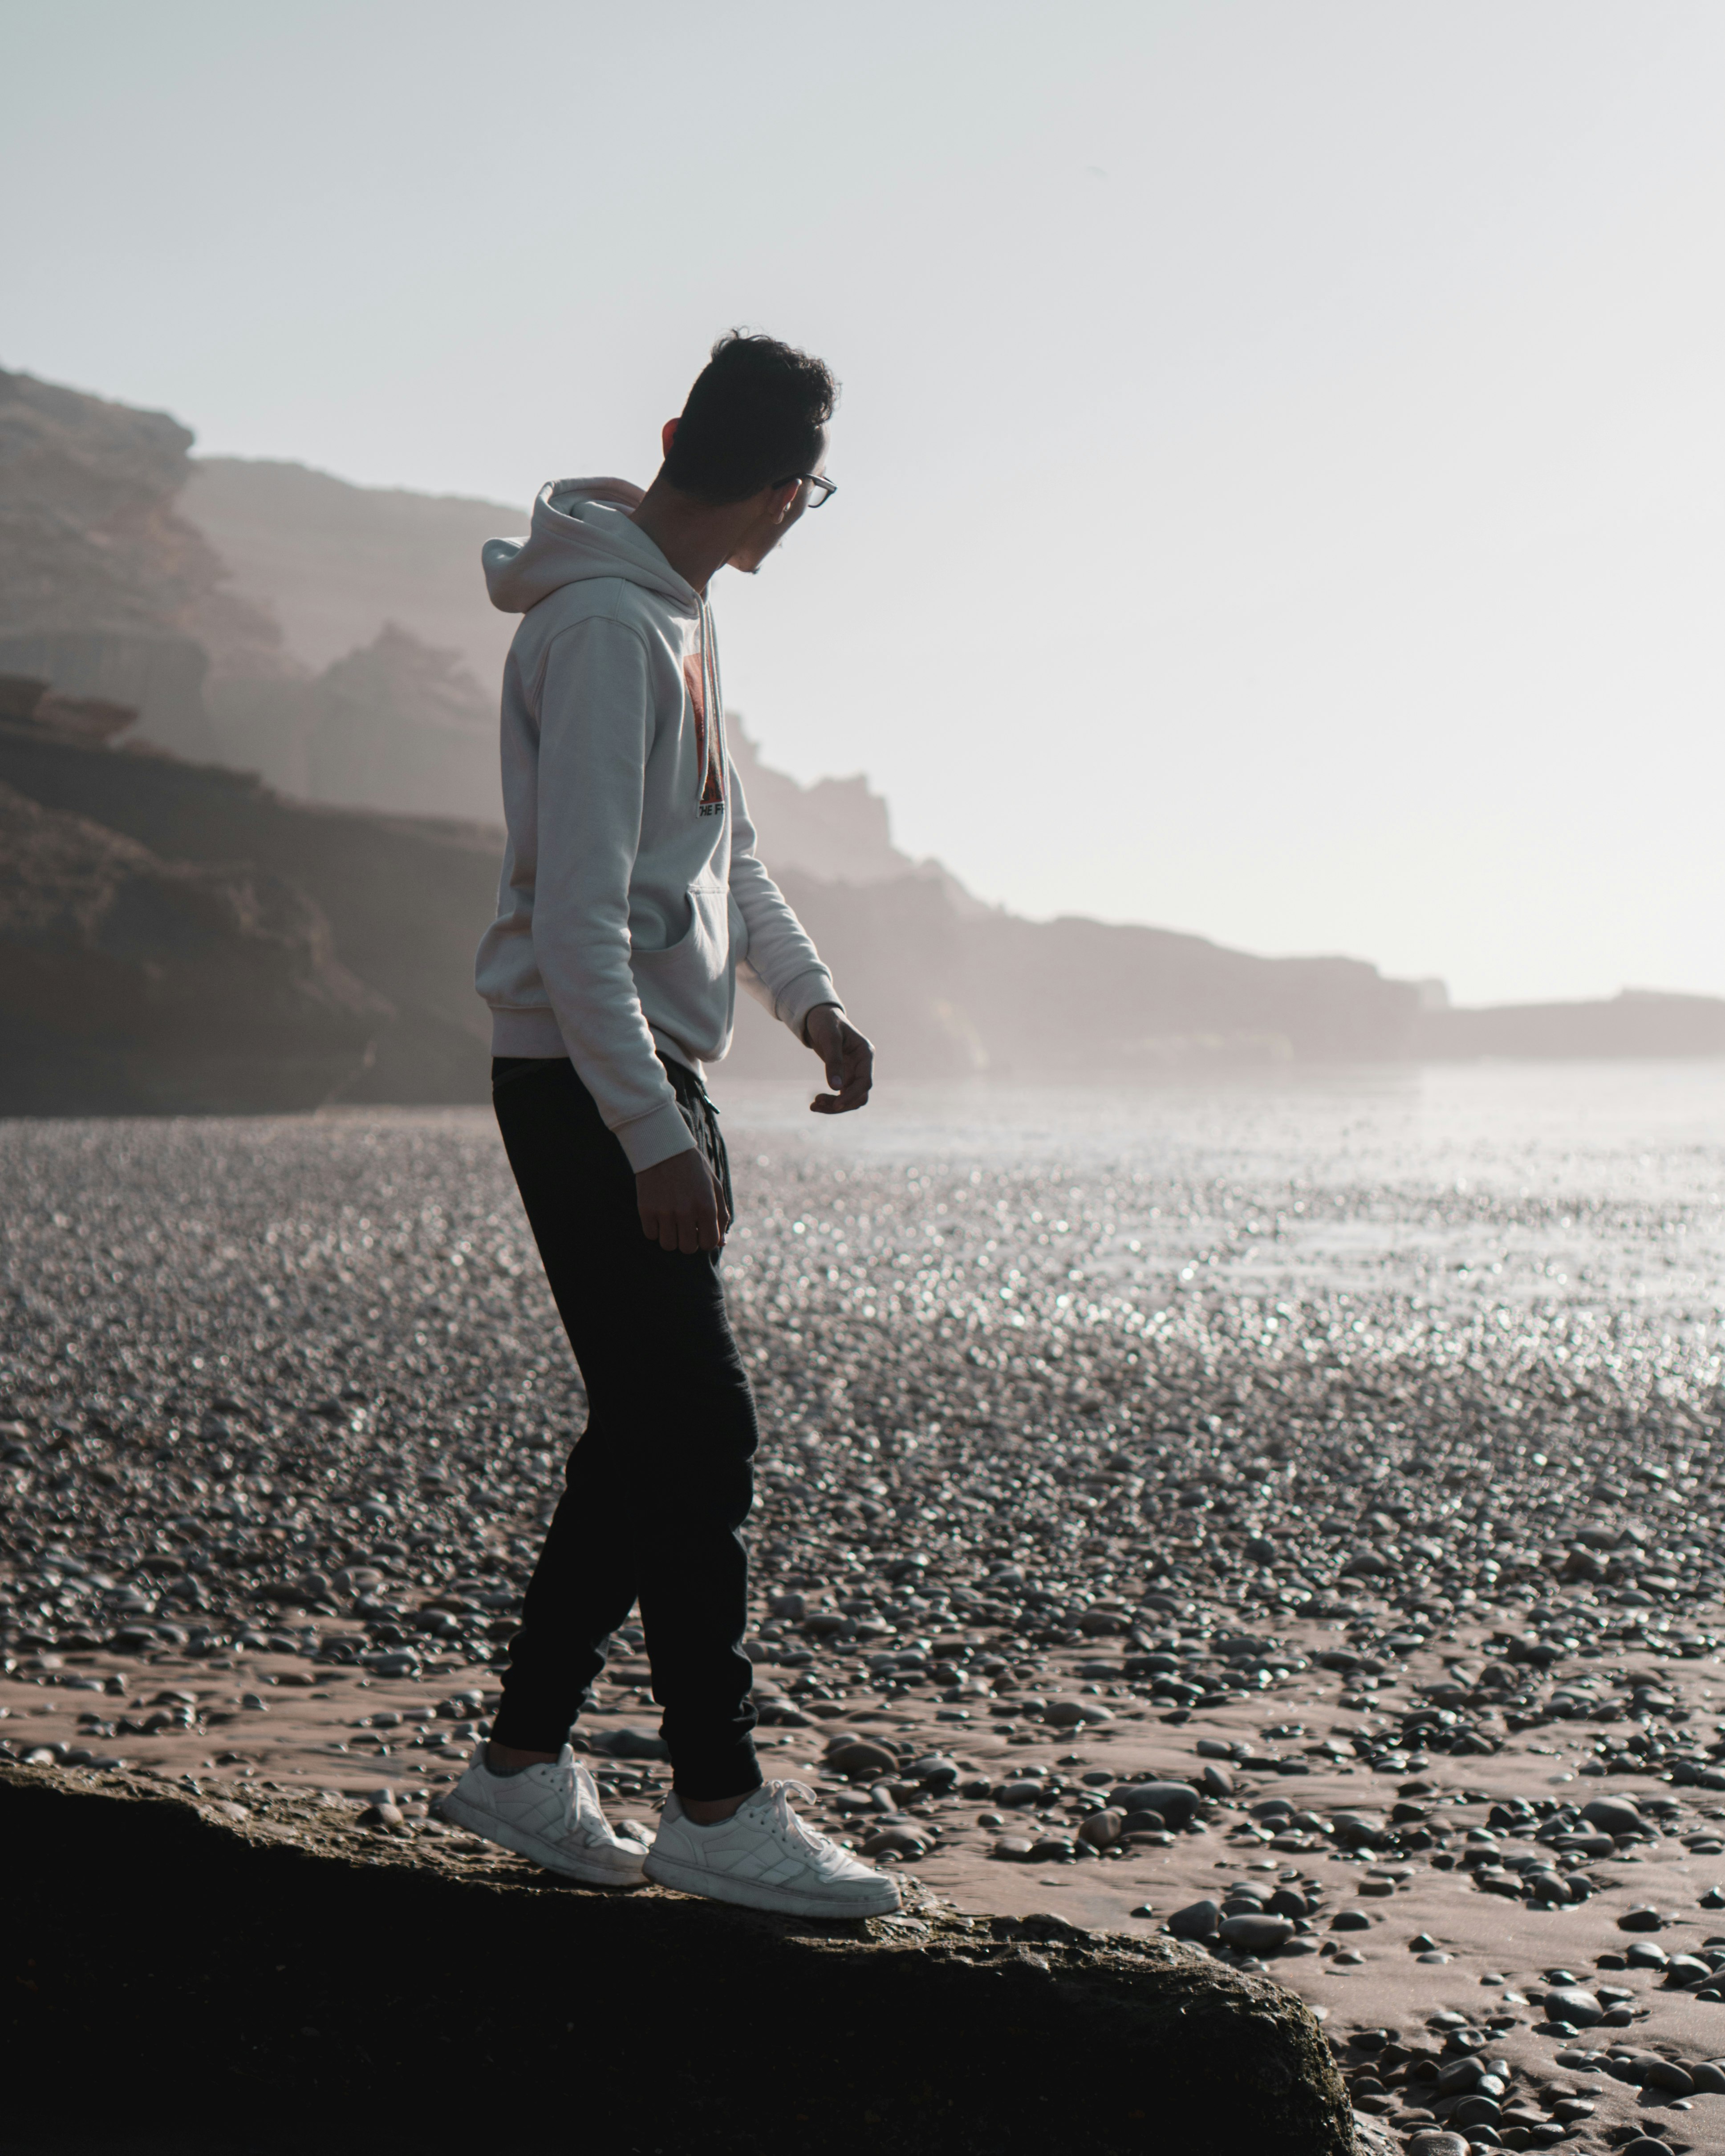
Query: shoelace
(568, 1787)
(786, 1820)
(572, 1777)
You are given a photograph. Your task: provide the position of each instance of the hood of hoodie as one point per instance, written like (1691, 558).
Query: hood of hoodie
(580, 529)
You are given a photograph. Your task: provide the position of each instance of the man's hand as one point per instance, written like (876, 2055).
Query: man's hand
(849, 1060)
(682, 1207)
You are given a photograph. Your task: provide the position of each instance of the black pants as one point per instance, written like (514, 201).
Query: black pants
(659, 1484)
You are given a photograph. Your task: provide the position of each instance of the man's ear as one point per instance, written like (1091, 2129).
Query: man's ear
(667, 435)
(781, 500)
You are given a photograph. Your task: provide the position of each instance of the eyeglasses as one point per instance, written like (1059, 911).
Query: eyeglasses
(819, 488)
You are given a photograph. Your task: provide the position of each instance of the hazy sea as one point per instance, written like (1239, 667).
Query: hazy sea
(1577, 1184)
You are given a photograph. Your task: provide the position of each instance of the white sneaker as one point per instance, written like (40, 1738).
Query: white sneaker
(550, 1813)
(764, 1858)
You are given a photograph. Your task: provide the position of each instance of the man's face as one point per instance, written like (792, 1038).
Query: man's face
(776, 509)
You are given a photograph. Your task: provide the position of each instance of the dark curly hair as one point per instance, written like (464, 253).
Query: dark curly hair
(754, 416)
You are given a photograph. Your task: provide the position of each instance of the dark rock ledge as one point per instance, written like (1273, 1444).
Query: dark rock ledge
(189, 1972)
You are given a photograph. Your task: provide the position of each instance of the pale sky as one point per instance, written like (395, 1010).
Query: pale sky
(1282, 454)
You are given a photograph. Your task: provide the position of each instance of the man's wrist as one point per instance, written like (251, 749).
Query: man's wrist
(648, 1139)
(827, 1002)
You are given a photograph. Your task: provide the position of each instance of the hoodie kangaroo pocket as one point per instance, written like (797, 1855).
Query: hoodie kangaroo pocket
(691, 965)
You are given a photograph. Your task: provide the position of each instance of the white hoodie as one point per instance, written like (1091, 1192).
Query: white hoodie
(631, 895)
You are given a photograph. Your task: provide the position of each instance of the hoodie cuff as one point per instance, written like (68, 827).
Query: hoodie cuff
(647, 1140)
(804, 994)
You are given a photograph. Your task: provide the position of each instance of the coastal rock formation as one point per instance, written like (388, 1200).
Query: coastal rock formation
(381, 588)
(132, 577)
(378, 592)
(837, 829)
(1016, 2024)
(396, 726)
(405, 727)
(952, 989)
(155, 672)
(132, 984)
(108, 590)
(945, 986)
(24, 699)
(1639, 1021)
(333, 562)
(104, 589)
(402, 902)
(946, 989)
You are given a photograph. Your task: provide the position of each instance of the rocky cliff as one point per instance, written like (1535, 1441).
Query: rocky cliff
(130, 985)
(396, 724)
(399, 904)
(105, 590)
(374, 916)
(108, 590)
(379, 596)
(331, 563)
(952, 989)
(1638, 1023)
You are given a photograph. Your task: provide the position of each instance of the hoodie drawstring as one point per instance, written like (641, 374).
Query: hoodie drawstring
(713, 696)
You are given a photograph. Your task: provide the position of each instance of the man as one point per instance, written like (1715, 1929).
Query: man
(632, 901)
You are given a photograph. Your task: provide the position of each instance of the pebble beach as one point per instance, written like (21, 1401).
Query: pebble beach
(1288, 1515)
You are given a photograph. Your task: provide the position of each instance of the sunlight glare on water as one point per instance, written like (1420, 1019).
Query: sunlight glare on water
(1574, 1183)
